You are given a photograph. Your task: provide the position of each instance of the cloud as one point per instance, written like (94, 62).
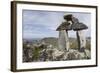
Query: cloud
(44, 23)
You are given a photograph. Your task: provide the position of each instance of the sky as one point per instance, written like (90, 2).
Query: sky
(40, 24)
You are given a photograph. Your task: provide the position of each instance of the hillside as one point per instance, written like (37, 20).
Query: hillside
(46, 49)
(73, 42)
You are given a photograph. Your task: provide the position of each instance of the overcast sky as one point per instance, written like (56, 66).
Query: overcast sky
(40, 24)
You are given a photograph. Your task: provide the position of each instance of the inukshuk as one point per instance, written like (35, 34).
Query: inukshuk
(71, 23)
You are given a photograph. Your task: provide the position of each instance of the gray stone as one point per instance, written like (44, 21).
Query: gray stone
(81, 40)
(63, 41)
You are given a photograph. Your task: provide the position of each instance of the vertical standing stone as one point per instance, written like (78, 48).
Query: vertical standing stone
(81, 40)
(71, 23)
(67, 41)
(63, 40)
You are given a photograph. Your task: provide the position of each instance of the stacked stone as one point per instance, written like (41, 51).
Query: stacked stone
(71, 23)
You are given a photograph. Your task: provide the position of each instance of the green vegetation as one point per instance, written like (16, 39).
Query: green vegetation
(88, 45)
(31, 50)
(51, 40)
(74, 45)
(36, 53)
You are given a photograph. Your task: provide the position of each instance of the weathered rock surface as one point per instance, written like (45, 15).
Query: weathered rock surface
(46, 50)
(72, 54)
(54, 54)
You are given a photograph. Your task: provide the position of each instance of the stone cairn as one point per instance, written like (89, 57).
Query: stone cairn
(63, 53)
(71, 23)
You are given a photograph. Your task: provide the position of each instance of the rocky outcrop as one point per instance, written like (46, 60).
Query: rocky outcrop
(59, 55)
(46, 50)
